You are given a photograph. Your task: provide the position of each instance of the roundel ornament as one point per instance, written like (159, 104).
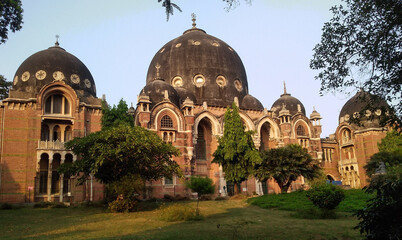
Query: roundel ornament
(58, 75)
(75, 78)
(87, 83)
(40, 75)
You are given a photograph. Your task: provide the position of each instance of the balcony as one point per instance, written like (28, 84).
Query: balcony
(51, 145)
(347, 142)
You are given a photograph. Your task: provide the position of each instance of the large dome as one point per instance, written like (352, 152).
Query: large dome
(202, 64)
(363, 103)
(49, 65)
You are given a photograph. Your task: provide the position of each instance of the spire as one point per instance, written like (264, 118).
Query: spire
(284, 88)
(194, 19)
(57, 40)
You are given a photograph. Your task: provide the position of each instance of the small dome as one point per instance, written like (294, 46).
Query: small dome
(360, 102)
(204, 65)
(156, 90)
(252, 103)
(291, 103)
(315, 115)
(184, 93)
(50, 65)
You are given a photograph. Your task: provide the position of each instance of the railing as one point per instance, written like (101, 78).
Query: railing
(346, 142)
(52, 145)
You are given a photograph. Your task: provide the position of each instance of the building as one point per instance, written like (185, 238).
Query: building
(190, 82)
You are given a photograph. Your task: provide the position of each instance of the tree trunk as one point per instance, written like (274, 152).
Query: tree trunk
(236, 188)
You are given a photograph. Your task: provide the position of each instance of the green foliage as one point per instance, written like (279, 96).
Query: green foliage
(177, 212)
(6, 206)
(49, 205)
(285, 165)
(116, 115)
(169, 6)
(326, 196)
(380, 161)
(122, 150)
(360, 48)
(200, 185)
(10, 17)
(122, 205)
(391, 143)
(236, 151)
(4, 87)
(382, 217)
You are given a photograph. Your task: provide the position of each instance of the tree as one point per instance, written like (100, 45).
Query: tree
(285, 165)
(116, 115)
(119, 151)
(201, 186)
(381, 219)
(236, 151)
(4, 87)
(10, 18)
(360, 47)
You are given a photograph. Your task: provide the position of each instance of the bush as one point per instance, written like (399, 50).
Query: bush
(221, 198)
(175, 212)
(6, 206)
(125, 193)
(49, 205)
(122, 205)
(326, 196)
(168, 198)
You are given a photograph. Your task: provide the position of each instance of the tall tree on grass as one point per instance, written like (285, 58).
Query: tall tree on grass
(236, 151)
(116, 115)
(120, 151)
(285, 165)
(4, 87)
(200, 185)
(361, 48)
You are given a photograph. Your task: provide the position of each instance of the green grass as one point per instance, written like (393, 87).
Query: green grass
(354, 199)
(233, 219)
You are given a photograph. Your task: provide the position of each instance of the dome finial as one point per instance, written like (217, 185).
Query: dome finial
(57, 40)
(194, 18)
(284, 88)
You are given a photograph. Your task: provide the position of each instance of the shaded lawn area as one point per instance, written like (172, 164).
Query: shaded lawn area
(354, 199)
(233, 219)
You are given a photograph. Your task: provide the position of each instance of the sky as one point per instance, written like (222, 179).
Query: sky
(117, 40)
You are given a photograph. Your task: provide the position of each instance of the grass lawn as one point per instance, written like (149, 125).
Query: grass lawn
(232, 219)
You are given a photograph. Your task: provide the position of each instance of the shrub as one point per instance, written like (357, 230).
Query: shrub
(6, 206)
(175, 212)
(168, 198)
(125, 193)
(122, 205)
(221, 198)
(326, 196)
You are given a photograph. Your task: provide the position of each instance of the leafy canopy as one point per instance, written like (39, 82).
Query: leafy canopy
(200, 185)
(4, 87)
(10, 18)
(360, 47)
(236, 151)
(122, 150)
(286, 164)
(116, 115)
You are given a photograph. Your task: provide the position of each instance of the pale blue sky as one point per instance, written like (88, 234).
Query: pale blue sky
(117, 40)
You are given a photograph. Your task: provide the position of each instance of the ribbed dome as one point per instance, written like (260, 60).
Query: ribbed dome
(204, 65)
(360, 102)
(252, 103)
(291, 104)
(49, 65)
(156, 91)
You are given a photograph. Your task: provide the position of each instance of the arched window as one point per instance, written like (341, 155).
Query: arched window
(43, 173)
(346, 136)
(57, 104)
(201, 149)
(66, 180)
(68, 134)
(44, 135)
(56, 133)
(166, 122)
(300, 131)
(55, 187)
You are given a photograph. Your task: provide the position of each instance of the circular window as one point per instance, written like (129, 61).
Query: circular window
(238, 85)
(75, 78)
(162, 50)
(25, 76)
(58, 75)
(356, 115)
(221, 81)
(215, 44)
(378, 112)
(196, 43)
(15, 80)
(368, 113)
(199, 80)
(177, 82)
(178, 45)
(40, 75)
(347, 117)
(87, 83)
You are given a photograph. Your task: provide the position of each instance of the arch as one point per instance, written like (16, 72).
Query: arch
(179, 120)
(61, 88)
(204, 140)
(55, 186)
(274, 130)
(248, 122)
(57, 104)
(56, 133)
(215, 125)
(306, 126)
(68, 134)
(330, 178)
(264, 136)
(44, 132)
(300, 130)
